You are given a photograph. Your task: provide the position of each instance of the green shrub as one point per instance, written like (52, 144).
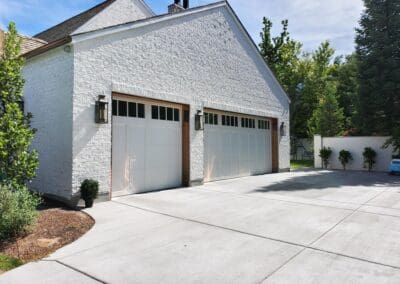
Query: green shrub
(17, 210)
(325, 154)
(369, 155)
(89, 191)
(345, 157)
(8, 263)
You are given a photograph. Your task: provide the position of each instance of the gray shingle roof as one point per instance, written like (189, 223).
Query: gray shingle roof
(69, 26)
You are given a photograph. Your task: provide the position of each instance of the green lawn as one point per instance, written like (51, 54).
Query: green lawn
(8, 263)
(301, 164)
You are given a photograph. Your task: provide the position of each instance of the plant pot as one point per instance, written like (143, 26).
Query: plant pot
(89, 203)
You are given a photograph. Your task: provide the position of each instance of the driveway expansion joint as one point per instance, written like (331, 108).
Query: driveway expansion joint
(304, 247)
(327, 232)
(75, 269)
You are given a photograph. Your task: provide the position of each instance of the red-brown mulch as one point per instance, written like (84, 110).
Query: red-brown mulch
(55, 228)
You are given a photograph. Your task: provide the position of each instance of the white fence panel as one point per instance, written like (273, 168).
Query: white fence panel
(356, 147)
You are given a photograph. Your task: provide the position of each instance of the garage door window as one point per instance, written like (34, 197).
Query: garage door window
(248, 122)
(132, 109)
(176, 114)
(228, 120)
(124, 108)
(154, 112)
(264, 124)
(122, 111)
(114, 107)
(165, 113)
(211, 118)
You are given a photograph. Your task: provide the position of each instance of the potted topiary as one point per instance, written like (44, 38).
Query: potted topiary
(345, 157)
(89, 191)
(369, 155)
(325, 154)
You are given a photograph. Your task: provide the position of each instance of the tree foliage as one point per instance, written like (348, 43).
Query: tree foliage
(345, 157)
(307, 77)
(369, 155)
(327, 118)
(345, 73)
(325, 154)
(378, 54)
(18, 163)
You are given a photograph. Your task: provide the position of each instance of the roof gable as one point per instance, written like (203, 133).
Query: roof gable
(119, 12)
(88, 19)
(153, 20)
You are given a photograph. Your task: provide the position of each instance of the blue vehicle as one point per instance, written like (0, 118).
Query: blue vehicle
(394, 167)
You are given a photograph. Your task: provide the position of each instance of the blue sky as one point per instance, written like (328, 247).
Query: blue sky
(310, 21)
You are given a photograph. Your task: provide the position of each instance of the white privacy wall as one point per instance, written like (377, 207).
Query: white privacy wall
(48, 96)
(356, 146)
(201, 59)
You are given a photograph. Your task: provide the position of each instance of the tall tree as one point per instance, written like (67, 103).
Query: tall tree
(318, 83)
(18, 163)
(283, 55)
(327, 118)
(346, 74)
(378, 52)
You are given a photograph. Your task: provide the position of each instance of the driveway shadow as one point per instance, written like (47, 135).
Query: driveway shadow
(332, 179)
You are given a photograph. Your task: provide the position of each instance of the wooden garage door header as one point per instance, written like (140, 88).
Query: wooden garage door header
(149, 100)
(237, 113)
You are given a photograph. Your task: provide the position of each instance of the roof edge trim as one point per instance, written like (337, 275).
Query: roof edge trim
(47, 47)
(143, 22)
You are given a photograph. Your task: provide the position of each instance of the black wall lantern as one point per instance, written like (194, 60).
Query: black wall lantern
(283, 129)
(199, 120)
(101, 110)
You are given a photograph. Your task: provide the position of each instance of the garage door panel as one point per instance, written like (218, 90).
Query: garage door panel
(234, 150)
(147, 151)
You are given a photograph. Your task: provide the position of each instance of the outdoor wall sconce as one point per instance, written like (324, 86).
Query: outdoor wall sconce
(283, 129)
(101, 110)
(199, 120)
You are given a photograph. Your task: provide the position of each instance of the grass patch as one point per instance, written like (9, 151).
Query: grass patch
(8, 263)
(301, 164)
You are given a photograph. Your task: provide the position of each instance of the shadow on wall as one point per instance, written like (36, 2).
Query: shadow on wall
(85, 130)
(332, 179)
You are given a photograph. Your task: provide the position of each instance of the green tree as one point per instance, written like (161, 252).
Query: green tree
(319, 94)
(378, 53)
(346, 74)
(18, 163)
(394, 141)
(345, 157)
(327, 118)
(284, 56)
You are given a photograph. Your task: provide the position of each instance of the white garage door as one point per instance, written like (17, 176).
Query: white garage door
(236, 146)
(146, 146)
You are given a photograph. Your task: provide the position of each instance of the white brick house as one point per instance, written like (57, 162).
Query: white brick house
(158, 73)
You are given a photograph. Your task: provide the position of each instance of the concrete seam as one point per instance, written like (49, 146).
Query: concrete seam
(260, 236)
(324, 234)
(324, 206)
(77, 270)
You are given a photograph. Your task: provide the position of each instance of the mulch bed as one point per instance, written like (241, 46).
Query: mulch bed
(56, 227)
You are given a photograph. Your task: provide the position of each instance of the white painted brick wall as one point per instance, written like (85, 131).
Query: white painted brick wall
(202, 60)
(48, 96)
(121, 11)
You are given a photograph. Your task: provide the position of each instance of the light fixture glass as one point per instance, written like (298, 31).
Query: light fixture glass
(101, 111)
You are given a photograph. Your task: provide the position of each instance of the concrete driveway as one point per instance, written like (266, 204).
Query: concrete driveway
(299, 227)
